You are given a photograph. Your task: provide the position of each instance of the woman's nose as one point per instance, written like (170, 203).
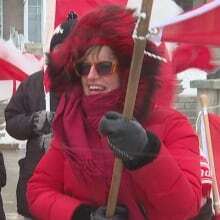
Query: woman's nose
(93, 74)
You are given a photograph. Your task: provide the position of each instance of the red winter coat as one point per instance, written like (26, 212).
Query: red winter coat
(169, 188)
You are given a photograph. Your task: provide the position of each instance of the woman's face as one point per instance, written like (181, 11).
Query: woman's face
(100, 72)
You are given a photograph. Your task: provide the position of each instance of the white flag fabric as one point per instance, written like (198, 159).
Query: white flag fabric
(199, 26)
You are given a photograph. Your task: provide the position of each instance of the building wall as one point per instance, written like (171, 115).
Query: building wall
(188, 106)
(13, 15)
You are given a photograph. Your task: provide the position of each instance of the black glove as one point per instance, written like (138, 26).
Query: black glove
(205, 212)
(41, 122)
(83, 212)
(129, 140)
(121, 213)
(45, 140)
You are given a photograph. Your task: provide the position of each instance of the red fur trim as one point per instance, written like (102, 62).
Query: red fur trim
(188, 56)
(113, 26)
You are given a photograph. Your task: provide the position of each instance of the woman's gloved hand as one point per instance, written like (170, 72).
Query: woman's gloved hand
(83, 212)
(205, 212)
(121, 213)
(41, 122)
(129, 140)
(87, 212)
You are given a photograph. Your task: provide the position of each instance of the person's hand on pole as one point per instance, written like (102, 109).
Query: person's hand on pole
(121, 213)
(129, 140)
(41, 122)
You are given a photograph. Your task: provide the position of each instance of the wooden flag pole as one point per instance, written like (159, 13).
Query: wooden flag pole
(216, 197)
(133, 81)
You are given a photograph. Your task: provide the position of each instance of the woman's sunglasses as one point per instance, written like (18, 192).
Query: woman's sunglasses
(103, 68)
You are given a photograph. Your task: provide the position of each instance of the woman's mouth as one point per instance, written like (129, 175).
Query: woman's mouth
(96, 88)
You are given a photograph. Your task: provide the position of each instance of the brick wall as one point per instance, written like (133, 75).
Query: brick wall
(188, 106)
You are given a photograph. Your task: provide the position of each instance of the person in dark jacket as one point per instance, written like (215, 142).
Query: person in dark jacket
(29, 115)
(2, 184)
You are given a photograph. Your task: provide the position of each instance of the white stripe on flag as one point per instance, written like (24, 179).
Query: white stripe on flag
(188, 15)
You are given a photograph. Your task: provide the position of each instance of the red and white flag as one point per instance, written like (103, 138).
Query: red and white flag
(62, 7)
(80, 7)
(199, 26)
(57, 11)
(11, 72)
(16, 65)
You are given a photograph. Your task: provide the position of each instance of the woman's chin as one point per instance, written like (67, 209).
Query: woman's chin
(88, 93)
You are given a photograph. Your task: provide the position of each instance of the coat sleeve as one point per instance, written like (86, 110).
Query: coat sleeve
(18, 116)
(170, 186)
(45, 191)
(2, 171)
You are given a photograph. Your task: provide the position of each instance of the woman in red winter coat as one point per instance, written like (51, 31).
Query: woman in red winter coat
(159, 149)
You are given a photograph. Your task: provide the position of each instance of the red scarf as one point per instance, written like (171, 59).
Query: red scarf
(76, 127)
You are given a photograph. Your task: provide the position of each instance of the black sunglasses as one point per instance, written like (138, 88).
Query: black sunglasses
(103, 68)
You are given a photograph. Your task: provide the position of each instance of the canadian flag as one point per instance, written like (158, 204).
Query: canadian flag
(16, 65)
(57, 11)
(62, 7)
(199, 26)
(80, 7)
(10, 71)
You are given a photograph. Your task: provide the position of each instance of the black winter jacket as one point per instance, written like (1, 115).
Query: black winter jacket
(29, 98)
(2, 184)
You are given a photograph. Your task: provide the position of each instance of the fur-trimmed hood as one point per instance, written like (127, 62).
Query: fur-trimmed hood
(112, 26)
